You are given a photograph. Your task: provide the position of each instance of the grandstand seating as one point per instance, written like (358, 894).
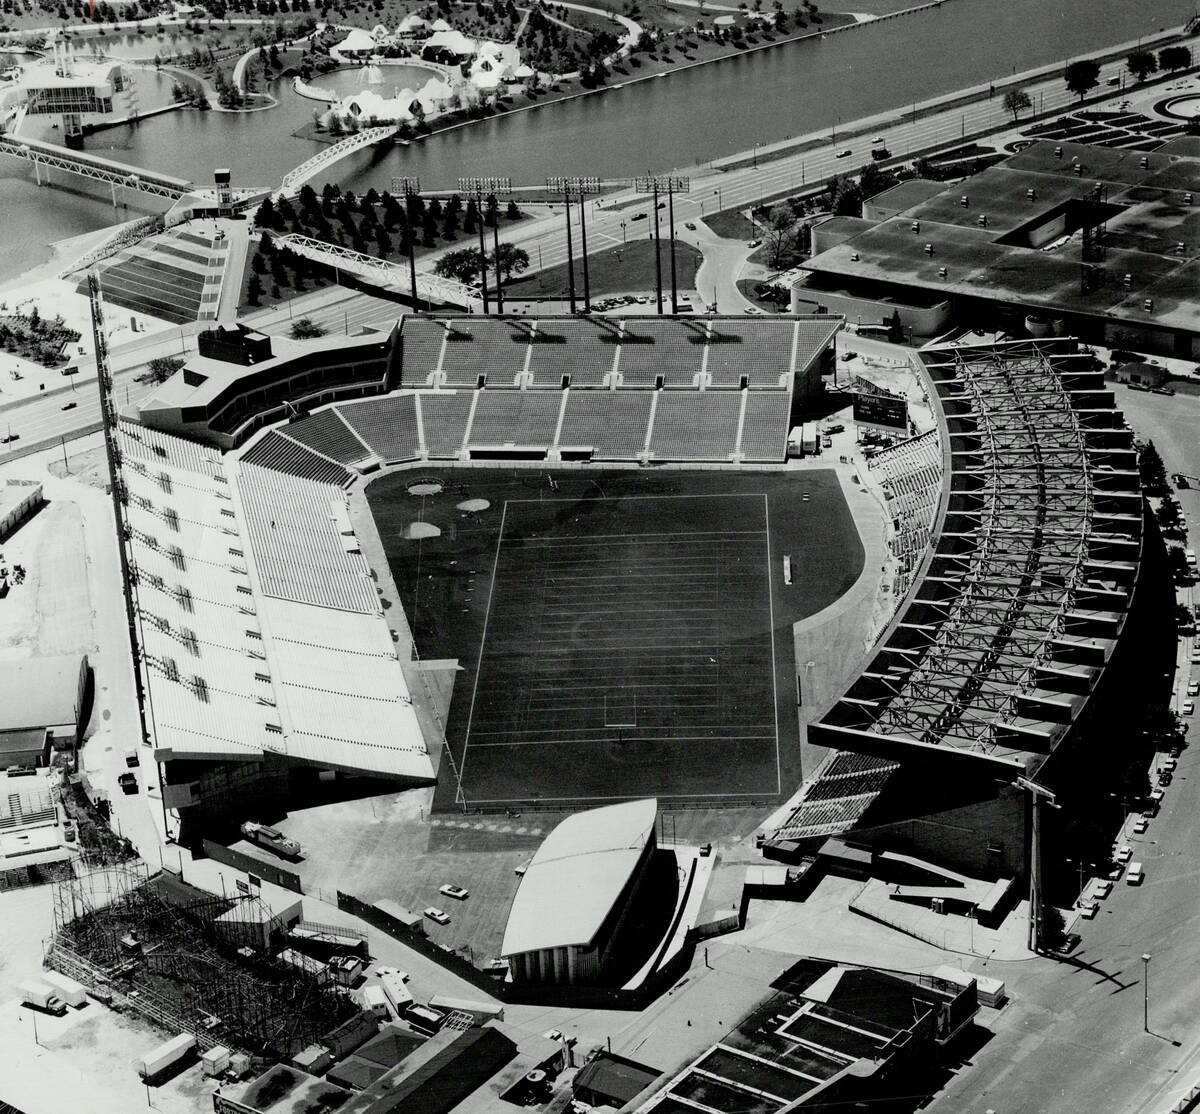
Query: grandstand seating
(612, 423)
(420, 350)
(515, 417)
(911, 476)
(673, 350)
(494, 350)
(744, 349)
(175, 278)
(298, 549)
(444, 416)
(843, 788)
(326, 433)
(388, 425)
(583, 350)
(765, 426)
(285, 455)
(695, 425)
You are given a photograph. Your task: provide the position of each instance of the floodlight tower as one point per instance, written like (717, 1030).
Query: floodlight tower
(580, 187)
(670, 184)
(409, 187)
(1037, 793)
(479, 187)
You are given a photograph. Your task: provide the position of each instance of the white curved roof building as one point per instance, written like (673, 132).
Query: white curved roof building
(575, 892)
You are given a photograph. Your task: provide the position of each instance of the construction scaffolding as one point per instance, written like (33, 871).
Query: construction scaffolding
(189, 961)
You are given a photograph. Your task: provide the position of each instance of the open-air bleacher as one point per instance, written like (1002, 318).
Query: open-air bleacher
(326, 433)
(670, 352)
(479, 349)
(299, 551)
(765, 426)
(444, 415)
(911, 476)
(844, 787)
(581, 351)
(742, 353)
(515, 418)
(175, 278)
(388, 425)
(611, 423)
(421, 340)
(696, 425)
(282, 454)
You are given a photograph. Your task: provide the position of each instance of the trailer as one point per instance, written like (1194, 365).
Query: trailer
(165, 1056)
(73, 993)
(374, 1000)
(393, 984)
(215, 1061)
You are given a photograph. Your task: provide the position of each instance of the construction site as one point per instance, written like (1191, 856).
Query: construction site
(186, 960)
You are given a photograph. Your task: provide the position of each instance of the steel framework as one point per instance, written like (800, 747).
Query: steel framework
(380, 271)
(296, 177)
(90, 166)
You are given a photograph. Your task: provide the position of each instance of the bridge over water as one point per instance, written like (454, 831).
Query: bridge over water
(310, 168)
(52, 157)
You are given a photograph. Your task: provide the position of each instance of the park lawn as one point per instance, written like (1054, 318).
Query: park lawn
(732, 224)
(613, 271)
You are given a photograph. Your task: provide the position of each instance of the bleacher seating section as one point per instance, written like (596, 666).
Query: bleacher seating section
(583, 350)
(743, 349)
(612, 423)
(493, 350)
(696, 425)
(444, 417)
(176, 278)
(516, 418)
(911, 476)
(326, 433)
(672, 350)
(765, 426)
(282, 454)
(420, 350)
(842, 790)
(388, 425)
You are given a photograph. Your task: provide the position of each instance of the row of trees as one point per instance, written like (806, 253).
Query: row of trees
(1084, 76)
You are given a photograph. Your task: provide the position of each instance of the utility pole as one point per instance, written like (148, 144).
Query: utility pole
(1146, 992)
(479, 187)
(670, 184)
(568, 186)
(1037, 793)
(409, 188)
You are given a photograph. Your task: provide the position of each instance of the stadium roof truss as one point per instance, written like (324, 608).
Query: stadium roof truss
(1025, 587)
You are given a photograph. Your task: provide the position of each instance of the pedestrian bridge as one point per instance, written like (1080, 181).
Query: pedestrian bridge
(310, 168)
(379, 272)
(52, 157)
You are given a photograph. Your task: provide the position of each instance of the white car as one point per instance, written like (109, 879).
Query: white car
(1193, 689)
(1124, 853)
(1157, 795)
(1141, 825)
(1102, 888)
(1088, 909)
(456, 892)
(436, 914)
(1189, 706)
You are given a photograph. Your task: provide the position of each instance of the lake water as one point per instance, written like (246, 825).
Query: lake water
(679, 121)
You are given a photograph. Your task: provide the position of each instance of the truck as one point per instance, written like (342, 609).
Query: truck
(41, 996)
(168, 1054)
(70, 991)
(392, 982)
(424, 1019)
(373, 999)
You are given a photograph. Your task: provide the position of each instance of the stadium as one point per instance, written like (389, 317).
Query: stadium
(600, 558)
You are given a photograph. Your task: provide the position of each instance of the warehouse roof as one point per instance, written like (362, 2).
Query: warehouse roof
(39, 692)
(577, 875)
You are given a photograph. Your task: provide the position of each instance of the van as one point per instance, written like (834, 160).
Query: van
(1189, 555)
(1136, 876)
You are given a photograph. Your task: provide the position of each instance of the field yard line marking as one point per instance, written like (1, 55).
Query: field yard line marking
(533, 801)
(622, 497)
(774, 674)
(707, 534)
(606, 739)
(487, 614)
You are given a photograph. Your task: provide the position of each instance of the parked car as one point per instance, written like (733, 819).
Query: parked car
(69, 405)
(1102, 888)
(1165, 777)
(1189, 706)
(271, 839)
(754, 243)
(456, 892)
(436, 914)
(689, 225)
(1088, 909)
(1141, 825)
(638, 216)
(1193, 689)
(1136, 875)
(845, 154)
(128, 783)
(1124, 853)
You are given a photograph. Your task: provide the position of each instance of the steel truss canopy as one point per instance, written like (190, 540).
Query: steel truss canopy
(1027, 582)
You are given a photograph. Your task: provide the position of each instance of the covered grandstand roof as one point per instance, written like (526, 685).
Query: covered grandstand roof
(578, 873)
(1010, 242)
(1018, 603)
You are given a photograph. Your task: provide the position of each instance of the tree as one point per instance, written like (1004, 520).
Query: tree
(512, 259)
(305, 328)
(1141, 63)
(512, 212)
(1082, 77)
(781, 234)
(162, 368)
(462, 265)
(1016, 101)
(254, 290)
(1173, 58)
(471, 219)
(1053, 928)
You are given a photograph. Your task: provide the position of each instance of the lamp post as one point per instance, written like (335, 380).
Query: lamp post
(579, 186)
(1146, 992)
(1036, 795)
(409, 188)
(670, 184)
(481, 186)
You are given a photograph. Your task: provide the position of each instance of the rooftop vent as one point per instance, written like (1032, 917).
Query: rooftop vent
(1031, 194)
(1058, 152)
(1148, 305)
(928, 249)
(1144, 163)
(1127, 281)
(941, 272)
(854, 256)
(965, 201)
(916, 225)
(982, 221)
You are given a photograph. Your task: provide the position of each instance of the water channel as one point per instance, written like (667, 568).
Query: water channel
(679, 121)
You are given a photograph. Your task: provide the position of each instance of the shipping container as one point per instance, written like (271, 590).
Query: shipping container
(165, 1056)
